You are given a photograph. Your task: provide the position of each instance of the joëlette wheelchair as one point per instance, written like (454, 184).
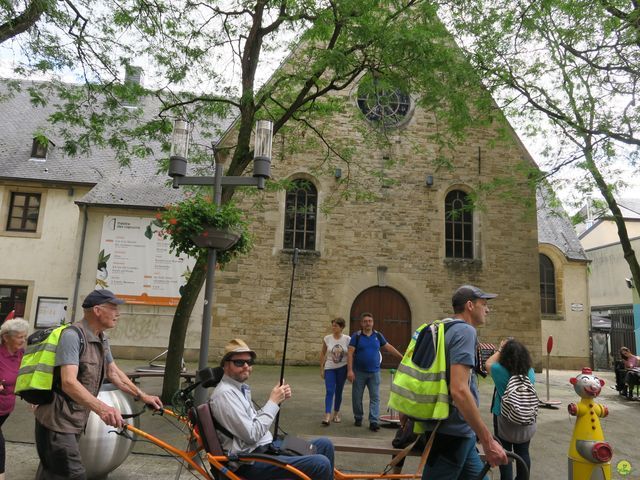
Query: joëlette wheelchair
(204, 446)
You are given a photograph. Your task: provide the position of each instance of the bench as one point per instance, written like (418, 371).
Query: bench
(376, 446)
(136, 376)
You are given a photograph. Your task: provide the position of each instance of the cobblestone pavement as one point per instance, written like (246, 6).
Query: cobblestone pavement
(302, 414)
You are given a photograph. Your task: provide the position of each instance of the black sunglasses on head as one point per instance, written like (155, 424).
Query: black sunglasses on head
(241, 362)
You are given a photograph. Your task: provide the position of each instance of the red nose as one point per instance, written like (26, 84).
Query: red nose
(602, 452)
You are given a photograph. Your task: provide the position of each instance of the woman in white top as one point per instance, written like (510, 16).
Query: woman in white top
(333, 368)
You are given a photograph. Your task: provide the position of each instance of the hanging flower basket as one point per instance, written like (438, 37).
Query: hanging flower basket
(219, 238)
(196, 224)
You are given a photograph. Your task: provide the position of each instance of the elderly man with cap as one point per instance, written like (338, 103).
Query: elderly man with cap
(454, 454)
(83, 361)
(232, 408)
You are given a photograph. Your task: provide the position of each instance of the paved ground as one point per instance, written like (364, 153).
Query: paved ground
(302, 414)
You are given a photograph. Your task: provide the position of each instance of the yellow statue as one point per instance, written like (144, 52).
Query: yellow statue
(589, 455)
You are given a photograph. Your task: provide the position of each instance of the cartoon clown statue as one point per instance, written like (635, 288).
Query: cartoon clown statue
(589, 455)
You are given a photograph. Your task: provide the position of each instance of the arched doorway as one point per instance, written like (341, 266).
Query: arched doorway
(391, 314)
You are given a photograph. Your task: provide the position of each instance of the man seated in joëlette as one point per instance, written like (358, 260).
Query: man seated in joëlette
(232, 408)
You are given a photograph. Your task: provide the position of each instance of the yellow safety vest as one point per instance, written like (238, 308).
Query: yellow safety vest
(36, 368)
(422, 393)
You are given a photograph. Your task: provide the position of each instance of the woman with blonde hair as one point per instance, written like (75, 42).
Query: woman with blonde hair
(13, 338)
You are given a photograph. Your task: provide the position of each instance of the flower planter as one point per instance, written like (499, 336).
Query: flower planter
(218, 238)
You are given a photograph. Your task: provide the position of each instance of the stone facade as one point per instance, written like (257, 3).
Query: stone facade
(402, 232)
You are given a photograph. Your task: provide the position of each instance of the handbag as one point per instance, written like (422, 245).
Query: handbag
(296, 446)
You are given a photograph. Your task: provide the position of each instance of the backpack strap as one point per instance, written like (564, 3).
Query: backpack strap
(80, 335)
(359, 332)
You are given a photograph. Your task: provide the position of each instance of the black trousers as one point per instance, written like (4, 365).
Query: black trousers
(3, 452)
(620, 375)
(59, 455)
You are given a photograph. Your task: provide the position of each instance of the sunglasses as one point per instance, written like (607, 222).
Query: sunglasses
(241, 362)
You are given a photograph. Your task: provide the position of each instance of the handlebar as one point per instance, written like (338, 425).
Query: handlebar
(513, 456)
(207, 377)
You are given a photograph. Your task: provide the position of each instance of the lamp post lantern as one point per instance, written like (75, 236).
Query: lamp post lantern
(178, 171)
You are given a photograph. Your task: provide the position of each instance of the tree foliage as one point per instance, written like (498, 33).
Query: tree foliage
(208, 60)
(575, 63)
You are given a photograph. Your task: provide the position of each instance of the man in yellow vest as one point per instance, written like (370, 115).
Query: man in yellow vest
(454, 455)
(83, 361)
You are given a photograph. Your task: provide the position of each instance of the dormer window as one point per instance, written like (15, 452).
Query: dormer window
(39, 149)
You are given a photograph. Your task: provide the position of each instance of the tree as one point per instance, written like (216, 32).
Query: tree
(574, 63)
(205, 58)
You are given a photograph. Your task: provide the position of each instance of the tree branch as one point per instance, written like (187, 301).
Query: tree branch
(21, 23)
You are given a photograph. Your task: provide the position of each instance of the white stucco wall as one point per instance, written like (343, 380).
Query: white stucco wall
(570, 326)
(46, 260)
(606, 233)
(608, 271)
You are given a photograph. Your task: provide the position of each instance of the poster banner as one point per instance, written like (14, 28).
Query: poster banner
(135, 263)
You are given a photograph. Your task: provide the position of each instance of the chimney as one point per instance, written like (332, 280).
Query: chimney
(589, 212)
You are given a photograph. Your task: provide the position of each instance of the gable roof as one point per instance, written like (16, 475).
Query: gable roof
(136, 185)
(555, 227)
(629, 208)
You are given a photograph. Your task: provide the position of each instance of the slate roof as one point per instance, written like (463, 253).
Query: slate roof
(136, 185)
(630, 208)
(555, 227)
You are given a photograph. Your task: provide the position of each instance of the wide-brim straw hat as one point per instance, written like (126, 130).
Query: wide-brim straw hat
(236, 346)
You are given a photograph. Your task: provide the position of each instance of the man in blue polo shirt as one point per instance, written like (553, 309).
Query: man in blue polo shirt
(363, 369)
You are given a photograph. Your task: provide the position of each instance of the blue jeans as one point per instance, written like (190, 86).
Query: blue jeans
(372, 381)
(334, 379)
(317, 467)
(453, 458)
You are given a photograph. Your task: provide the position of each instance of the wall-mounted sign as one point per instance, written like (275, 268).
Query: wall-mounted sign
(134, 262)
(51, 311)
(577, 307)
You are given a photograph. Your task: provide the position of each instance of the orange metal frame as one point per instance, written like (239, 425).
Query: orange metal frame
(219, 461)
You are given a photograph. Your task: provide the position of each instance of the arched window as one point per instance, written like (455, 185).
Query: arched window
(547, 285)
(300, 216)
(458, 225)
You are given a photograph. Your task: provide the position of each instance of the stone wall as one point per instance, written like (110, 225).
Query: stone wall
(403, 230)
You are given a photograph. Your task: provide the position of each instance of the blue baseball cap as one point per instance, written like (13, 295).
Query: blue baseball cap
(98, 297)
(468, 292)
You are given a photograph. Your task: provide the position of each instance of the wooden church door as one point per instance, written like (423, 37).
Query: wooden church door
(391, 315)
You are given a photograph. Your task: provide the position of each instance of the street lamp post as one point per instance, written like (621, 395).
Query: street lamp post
(178, 171)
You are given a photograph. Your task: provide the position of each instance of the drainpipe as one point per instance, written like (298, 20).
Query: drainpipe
(76, 287)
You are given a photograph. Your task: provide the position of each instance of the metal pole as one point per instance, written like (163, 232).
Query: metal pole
(294, 261)
(549, 348)
(200, 396)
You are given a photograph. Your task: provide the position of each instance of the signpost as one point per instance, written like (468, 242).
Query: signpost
(549, 403)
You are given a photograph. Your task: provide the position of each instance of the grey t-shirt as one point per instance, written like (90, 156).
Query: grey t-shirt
(68, 351)
(461, 340)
